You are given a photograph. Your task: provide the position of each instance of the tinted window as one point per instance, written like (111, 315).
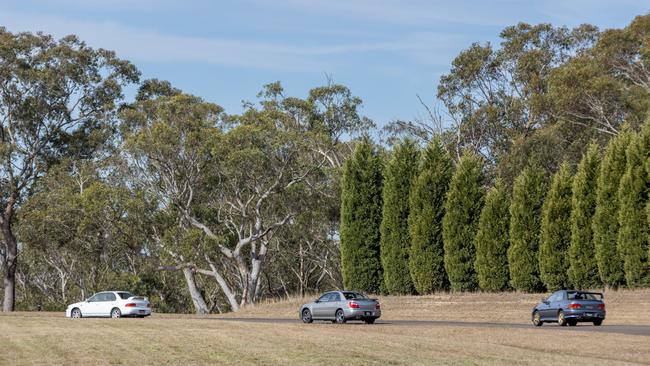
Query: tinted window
(125, 295)
(581, 296)
(334, 296)
(324, 297)
(109, 296)
(95, 297)
(354, 296)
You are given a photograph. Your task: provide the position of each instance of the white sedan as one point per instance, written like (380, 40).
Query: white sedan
(114, 304)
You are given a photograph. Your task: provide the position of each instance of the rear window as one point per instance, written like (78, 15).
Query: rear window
(125, 295)
(355, 296)
(581, 296)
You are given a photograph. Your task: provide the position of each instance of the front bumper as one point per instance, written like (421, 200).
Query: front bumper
(360, 314)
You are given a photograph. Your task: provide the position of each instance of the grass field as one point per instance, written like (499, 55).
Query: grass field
(48, 338)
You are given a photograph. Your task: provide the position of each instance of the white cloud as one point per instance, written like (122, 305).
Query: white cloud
(146, 45)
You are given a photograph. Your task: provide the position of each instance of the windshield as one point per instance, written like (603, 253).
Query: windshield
(355, 296)
(125, 295)
(581, 296)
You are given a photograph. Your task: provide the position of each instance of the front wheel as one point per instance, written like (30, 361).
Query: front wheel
(340, 317)
(537, 319)
(116, 313)
(598, 322)
(76, 313)
(306, 316)
(561, 320)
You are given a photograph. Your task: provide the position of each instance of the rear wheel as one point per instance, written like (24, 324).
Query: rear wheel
(306, 316)
(598, 322)
(340, 317)
(116, 313)
(370, 321)
(75, 313)
(561, 320)
(537, 319)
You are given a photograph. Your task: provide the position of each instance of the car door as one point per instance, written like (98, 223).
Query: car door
(106, 304)
(545, 307)
(89, 307)
(333, 304)
(555, 304)
(318, 309)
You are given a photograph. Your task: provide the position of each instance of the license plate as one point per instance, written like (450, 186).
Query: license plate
(368, 312)
(141, 311)
(589, 314)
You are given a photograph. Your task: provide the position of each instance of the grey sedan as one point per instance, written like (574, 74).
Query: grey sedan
(570, 307)
(341, 306)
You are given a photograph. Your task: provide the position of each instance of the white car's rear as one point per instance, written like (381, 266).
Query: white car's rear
(114, 304)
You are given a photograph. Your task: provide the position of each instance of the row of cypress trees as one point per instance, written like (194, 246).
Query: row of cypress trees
(417, 224)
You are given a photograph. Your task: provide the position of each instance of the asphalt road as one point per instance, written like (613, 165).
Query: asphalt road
(642, 330)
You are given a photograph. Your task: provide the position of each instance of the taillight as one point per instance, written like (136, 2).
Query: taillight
(575, 306)
(130, 305)
(601, 307)
(353, 305)
(377, 306)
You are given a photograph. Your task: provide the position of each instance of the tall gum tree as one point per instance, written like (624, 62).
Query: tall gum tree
(53, 94)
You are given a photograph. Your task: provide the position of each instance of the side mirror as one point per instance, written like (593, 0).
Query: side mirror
(316, 301)
(544, 300)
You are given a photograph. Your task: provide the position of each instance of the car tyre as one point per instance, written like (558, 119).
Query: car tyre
(340, 317)
(370, 321)
(561, 320)
(598, 322)
(75, 313)
(306, 316)
(537, 319)
(116, 313)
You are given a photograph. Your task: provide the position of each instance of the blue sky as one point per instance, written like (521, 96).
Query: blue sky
(386, 51)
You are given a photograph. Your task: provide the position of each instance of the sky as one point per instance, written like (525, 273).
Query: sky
(388, 52)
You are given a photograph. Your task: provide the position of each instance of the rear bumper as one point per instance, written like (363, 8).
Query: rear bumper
(584, 315)
(136, 311)
(360, 314)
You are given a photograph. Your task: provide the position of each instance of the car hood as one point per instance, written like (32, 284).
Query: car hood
(75, 304)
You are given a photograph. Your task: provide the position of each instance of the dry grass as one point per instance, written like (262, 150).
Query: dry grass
(48, 338)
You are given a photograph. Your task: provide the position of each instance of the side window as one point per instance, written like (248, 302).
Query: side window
(324, 298)
(109, 296)
(335, 296)
(557, 296)
(95, 298)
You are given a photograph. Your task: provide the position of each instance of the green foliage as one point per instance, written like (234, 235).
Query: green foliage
(583, 269)
(460, 223)
(395, 240)
(525, 222)
(605, 222)
(555, 236)
(361, 205)
(491, 240)
(427, 201)
(633, 197)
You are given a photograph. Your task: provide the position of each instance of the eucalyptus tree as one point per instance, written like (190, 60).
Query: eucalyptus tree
(55, 96)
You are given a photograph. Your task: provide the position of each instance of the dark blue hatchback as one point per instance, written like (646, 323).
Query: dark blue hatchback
(570, 307)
